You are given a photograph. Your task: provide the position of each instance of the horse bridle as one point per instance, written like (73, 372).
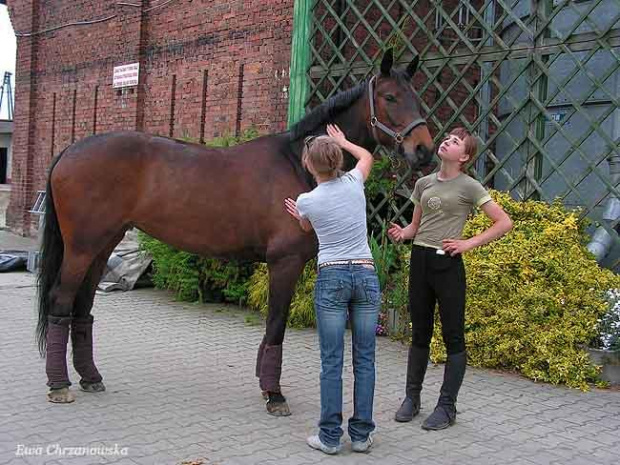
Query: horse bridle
(375, 123)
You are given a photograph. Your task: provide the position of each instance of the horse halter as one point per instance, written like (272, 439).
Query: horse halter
(375, 123)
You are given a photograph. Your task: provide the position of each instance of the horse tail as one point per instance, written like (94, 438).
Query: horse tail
(50, 261)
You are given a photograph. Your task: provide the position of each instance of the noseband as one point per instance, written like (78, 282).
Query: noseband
(375, 123)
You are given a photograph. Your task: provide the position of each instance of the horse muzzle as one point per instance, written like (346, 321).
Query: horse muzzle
(419, 158)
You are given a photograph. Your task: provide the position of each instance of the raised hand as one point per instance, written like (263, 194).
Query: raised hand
(335, 133)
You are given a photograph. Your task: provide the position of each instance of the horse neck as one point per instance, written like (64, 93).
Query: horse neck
(355, 123)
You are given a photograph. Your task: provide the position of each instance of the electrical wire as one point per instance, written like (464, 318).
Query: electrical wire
(167, 2)
(91, 22)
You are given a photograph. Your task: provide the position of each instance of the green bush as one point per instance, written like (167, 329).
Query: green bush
(381, 179)
(608, 337)
(192, 277)
(228, 140)
(534, 297)
(386, 257)
(302, 307)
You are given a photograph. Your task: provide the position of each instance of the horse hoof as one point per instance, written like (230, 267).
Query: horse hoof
(92, 387)
(60, 396)
(278, 409)
(277, 405)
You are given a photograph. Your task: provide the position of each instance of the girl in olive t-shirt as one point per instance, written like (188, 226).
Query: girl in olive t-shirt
(443, 201)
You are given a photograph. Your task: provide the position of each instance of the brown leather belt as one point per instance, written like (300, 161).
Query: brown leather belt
(368, 262)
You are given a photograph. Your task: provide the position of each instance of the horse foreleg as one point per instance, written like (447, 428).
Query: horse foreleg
(283, 275)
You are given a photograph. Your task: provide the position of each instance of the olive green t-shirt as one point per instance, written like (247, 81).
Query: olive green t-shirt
(445, 207)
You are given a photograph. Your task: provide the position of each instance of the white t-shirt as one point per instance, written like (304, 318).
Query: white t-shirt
(337, 211)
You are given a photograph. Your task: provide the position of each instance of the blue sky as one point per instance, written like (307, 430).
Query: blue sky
(7, 51)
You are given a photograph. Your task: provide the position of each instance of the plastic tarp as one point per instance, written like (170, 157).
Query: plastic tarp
(126, 265)
(13, 260)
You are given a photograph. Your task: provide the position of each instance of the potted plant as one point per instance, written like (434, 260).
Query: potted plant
(605, 349)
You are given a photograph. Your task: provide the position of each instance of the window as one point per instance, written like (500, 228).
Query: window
(462, 18)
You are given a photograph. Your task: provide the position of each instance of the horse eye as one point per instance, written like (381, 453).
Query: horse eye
(390, 98)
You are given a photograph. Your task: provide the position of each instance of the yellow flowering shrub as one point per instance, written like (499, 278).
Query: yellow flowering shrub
(534, 296)
(302, 307)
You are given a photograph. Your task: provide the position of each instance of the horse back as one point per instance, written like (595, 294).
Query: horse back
(220, 202)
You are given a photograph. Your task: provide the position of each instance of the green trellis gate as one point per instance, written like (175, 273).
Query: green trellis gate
(537, 80)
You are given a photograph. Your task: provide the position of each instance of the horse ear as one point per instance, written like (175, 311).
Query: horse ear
(413, 66)
(387, 62)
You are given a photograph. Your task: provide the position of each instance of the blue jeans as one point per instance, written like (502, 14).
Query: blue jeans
(342, 290)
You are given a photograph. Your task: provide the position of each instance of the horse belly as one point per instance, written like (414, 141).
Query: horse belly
(210, 231)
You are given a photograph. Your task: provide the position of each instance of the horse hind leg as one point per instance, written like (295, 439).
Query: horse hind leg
(74, 268)
(82, 323)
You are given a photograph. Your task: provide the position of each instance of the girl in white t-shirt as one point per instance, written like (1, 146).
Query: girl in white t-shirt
(347, 285)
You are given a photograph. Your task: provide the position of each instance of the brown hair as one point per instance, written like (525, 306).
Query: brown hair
(324, 155)
(470, 141)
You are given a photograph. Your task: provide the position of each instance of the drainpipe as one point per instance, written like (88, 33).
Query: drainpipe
(601, 240)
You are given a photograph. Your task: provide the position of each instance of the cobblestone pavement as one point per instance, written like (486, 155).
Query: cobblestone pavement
(181, 388)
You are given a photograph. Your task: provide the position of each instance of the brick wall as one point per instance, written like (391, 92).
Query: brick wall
(226, 60)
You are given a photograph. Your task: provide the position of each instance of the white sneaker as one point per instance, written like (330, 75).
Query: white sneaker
(316, 443)
(362, 446)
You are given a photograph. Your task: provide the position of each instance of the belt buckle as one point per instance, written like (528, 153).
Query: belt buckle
(440, 252)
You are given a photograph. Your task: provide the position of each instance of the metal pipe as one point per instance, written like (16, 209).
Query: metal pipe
(601, 240)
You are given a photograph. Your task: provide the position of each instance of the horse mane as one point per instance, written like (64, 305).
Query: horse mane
(327, 110)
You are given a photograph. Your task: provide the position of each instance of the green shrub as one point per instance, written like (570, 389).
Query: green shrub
(228, 140)
(302, 307)
(192, 277)
(534, 297)
(381, 179)
(385, 255)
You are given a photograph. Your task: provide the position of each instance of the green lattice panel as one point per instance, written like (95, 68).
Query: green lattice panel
(536, 80)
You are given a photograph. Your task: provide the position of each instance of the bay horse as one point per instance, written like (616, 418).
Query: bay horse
(215, 202)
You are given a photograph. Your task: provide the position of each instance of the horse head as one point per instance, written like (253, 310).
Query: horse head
(395, 113)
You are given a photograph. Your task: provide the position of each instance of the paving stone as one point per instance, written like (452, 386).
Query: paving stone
(181, 386)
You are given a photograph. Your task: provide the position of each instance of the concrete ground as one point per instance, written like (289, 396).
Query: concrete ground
(181, 389)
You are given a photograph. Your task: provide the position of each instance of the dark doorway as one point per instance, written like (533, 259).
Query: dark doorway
(4, 162)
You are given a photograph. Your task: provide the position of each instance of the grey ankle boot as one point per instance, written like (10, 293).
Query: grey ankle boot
(445, 411)
(416, 369)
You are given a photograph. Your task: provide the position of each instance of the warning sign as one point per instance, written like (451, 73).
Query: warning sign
(126, 75)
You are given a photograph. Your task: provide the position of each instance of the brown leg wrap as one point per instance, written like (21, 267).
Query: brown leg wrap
(82, 340)
(56, 361)
(259, 356)
(271, 368)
